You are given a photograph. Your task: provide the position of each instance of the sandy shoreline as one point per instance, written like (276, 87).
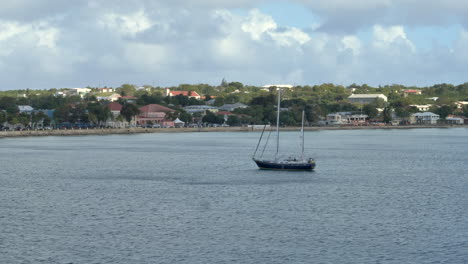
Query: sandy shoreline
(120, 131)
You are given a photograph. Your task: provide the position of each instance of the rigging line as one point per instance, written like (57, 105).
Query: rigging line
(260, 140)
(302, 134)
(266, 143)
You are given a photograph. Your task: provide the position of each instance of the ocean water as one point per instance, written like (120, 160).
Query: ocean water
(376, 196)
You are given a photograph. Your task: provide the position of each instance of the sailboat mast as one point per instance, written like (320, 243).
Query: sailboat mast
(260, 140)
(302, 131)
(277, 124)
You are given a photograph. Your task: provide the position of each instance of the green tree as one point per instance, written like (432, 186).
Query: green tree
(39, 117)
(287, 119)
(212, 118)
(236, 85)
(193, 101)
(219, 101)
(370, 110)
(402, 112)
(156, 98)
(9, 104)
(119, 118)
(100, 112)
(387, 115)
(24, 119)
(444, 111)
(3, 117)
(267, 100)
(126, 90)
(129, 111)
(78, 114)
(172, 115)
(186, 117)
(62, 113)
(231, 99)
(224, 83)
(233, 120)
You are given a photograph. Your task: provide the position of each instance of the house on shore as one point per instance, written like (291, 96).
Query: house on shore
(155, 114)
(115, 109)
(114, 121)
(455, 120)
(346, 118)
(428, 118)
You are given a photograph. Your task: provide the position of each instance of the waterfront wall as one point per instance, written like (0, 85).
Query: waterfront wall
(112, 131)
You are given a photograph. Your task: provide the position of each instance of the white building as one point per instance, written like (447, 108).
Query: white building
(455, 120)
(423, 108)
(106, 90)
(424, 118)
(365, 98)
(231, 107)
(111, 98)
(342, 118)
(278, 86)
(25, 109)
(79, 91)
(61, 93)
(200, 109)
(334, 119)
(461, 104)
(190, 94)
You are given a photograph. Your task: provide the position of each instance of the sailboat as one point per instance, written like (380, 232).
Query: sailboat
(292, 163)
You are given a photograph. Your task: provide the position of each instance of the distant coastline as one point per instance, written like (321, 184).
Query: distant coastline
(123, 131)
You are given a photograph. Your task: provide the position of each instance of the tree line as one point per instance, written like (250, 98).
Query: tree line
(317, 101)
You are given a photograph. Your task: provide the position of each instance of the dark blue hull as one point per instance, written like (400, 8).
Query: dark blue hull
(269, 165)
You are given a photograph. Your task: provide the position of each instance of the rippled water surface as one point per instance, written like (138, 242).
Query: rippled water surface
(377, 196)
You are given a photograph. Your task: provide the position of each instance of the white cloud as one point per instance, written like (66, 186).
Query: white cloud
(48, 37)
(290, 36)
(10, 29)
(127, 24)
(353, 43)
(345, 16)
(260, 25)
(165, 43)
(386, 37)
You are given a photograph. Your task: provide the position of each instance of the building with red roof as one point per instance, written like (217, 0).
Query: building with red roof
(411, 91)
(114, 107)
(190, 94)
(227, 113)
(153, 113)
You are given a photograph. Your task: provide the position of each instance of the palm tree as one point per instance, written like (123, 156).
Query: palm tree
(129, 111)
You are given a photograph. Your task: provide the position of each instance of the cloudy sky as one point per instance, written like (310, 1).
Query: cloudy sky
(55, 43)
